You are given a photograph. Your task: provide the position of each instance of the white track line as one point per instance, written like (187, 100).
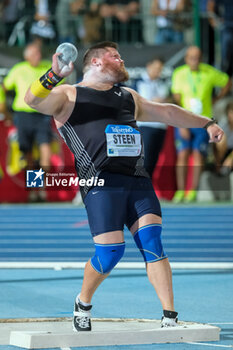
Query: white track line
(65, 348)
(215, 345)
(220, 323)
(121, 265)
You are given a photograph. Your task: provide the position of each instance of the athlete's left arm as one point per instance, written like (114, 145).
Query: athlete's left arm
(173, 115)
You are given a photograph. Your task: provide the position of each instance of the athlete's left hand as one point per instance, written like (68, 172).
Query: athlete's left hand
(65, 70)
(215, 133)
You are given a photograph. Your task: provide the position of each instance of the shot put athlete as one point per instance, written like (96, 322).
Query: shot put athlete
(97, 120)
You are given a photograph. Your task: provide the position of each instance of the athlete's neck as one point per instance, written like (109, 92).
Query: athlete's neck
(97, 86)
(98, 81)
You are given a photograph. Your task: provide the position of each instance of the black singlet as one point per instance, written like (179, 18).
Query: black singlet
(84, 132)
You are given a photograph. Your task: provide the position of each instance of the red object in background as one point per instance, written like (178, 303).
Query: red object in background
(164, 176)
(62, 164)
(13, 188)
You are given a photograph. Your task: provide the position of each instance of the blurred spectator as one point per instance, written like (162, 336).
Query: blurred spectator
(42, 10)
(69, 20)
(32, 126)
(207, 34)
(225, 147)
(125, 26)
(192, 88)
(2, 116)
(93, 25)
(10, 16)
(169, 29)
(154, 88)
(4, 113)
(42, 27)
(222, 17)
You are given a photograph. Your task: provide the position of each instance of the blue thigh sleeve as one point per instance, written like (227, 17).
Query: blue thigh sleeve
(148, 240)
(107, 256)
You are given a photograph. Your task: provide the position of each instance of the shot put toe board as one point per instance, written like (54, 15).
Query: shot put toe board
(52, 333)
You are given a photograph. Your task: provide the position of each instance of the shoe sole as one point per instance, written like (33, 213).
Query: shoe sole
(79, 330)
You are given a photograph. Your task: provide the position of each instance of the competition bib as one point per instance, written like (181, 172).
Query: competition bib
(122, 141)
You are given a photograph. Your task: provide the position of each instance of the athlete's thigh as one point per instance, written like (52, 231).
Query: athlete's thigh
(142, 201)
(147, 219)
(106, 210)
(109, 237)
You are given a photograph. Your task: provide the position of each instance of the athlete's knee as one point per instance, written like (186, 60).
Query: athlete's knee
(107, 256)
(148, 240)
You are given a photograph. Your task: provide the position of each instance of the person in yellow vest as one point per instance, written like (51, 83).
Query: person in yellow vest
(33, 127)
(192, 88)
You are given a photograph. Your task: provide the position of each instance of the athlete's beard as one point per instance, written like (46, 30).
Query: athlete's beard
(122, 74)
(119, 74)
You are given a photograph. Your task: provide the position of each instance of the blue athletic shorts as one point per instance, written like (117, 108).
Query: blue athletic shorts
(198, 141)
(121, 201)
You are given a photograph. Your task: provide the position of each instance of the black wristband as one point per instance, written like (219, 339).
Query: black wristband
(50, 79)
(212, 121)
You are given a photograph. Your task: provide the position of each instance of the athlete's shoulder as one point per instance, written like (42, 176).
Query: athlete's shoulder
(129, 90)
(79, 86)
(67, 88)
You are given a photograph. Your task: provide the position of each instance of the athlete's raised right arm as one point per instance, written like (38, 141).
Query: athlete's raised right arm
(44, 96)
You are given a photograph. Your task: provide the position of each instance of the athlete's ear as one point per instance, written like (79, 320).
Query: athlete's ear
(95, 61)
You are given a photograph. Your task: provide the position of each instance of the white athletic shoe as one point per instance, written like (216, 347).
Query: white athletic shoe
(168, 322)
(82, 318)
(169, 319)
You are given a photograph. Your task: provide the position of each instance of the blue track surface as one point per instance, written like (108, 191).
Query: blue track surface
(200, 296)
(61, 233)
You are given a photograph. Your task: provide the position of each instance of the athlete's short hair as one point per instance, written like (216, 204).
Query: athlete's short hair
(96, 51)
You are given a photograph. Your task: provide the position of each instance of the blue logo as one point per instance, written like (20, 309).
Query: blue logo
(120, 129)
(35, 178)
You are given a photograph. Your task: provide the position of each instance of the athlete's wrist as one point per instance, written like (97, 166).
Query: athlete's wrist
(43, 86)
(211, 122)
(50, 79)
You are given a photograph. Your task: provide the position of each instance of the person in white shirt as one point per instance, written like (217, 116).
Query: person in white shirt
(152, 87)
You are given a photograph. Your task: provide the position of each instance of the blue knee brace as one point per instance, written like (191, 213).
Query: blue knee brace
(148, 240)
(107, 256)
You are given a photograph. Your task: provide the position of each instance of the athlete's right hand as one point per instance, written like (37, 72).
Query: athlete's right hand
(65, 70)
